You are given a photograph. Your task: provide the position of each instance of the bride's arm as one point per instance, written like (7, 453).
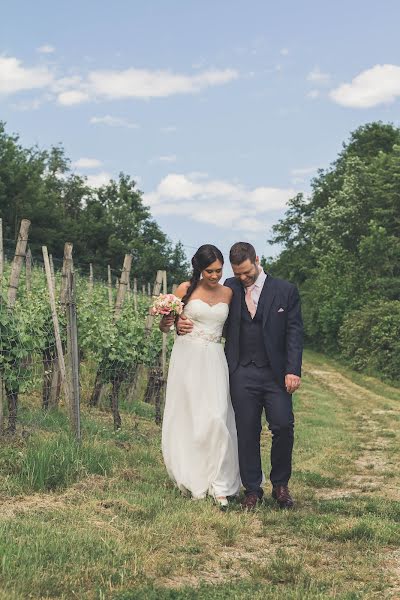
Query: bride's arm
(167, 321)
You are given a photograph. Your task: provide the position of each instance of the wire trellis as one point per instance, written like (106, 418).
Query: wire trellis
(119, 352)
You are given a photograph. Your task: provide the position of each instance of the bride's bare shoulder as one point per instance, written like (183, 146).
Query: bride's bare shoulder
(182, 289)
(226, 294)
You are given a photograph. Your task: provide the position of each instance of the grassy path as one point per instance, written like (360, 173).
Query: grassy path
(104, 522)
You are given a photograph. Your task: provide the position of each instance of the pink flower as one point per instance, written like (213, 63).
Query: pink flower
(166, 304)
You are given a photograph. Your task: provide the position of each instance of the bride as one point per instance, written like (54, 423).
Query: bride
(199, 442)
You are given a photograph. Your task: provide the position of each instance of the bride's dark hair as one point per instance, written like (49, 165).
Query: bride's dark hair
(204, 256)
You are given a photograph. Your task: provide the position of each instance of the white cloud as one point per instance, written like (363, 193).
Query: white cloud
(142, 83)
(217, 202)
(16, 78)
(284, 51)
(98, 179)
(46, 49)
(87, 163)
(107, 84)
(318, 77)
(113, 122)
(72, 97)
(378, 85)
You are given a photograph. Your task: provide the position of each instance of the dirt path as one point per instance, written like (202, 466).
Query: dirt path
(373, 426)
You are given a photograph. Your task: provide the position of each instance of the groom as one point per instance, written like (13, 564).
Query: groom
(264, 334)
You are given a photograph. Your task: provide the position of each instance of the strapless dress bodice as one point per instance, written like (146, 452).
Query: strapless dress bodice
(208, 320)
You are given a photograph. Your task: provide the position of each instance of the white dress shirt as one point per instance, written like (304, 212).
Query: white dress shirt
(258, 286)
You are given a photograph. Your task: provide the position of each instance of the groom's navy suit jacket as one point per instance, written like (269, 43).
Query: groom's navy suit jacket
(282, 326)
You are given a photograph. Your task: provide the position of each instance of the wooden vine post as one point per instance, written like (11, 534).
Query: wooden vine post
(160, 397)
(1, 254)
(1, 285)
(73, 355)
(28, 270)
(118, 377)
(53, 273)
(66, 269)
(156, 292)
(109, 285)
(53, 380)
(60, 354)
(19, 257)
(155, 377)
(91, 279)
(135, 305)
(143, 373)
(123, 285)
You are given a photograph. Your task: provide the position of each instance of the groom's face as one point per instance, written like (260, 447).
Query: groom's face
(247, 272)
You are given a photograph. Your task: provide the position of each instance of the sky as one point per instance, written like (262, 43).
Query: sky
(220, 110)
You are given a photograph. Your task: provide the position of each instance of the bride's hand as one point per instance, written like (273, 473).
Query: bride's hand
(184, 325)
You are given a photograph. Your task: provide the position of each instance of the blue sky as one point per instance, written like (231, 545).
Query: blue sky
(220, 110)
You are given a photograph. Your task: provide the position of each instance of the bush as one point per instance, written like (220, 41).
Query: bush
(369, 338)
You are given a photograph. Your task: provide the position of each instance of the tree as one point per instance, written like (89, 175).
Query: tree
(103, 224)
(342, 244)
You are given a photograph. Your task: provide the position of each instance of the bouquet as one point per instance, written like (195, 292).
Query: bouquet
(165, 304)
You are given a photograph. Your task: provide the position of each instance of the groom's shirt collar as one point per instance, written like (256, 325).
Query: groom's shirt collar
(259, 283)
(257, 287)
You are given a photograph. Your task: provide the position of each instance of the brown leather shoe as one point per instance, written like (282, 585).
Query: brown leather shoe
(250, 501)
(281, 494)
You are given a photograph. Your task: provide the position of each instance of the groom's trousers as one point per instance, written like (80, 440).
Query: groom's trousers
(253, 390)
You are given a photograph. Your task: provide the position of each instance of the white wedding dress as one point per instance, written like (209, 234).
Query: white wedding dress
(199, 441)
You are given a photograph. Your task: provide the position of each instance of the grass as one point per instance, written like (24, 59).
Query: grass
(101, 520)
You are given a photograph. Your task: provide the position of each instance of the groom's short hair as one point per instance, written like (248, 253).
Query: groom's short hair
(242, 251)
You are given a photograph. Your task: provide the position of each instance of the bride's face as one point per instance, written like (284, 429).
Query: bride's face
(213, 273)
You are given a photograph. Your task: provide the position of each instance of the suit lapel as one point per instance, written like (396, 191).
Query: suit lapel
(236, 307)
(267, 296)
(266, 299)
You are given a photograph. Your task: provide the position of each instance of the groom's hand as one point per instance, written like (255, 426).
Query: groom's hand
(292, 383)
(184, 325)
(166, 322)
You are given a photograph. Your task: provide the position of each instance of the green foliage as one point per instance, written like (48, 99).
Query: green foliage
(112, 349)
(25, 332)
(342, 247)
(370, 338)
(51, 463)
(117, 347)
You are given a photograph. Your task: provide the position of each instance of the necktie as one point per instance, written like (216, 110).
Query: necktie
(249, 301)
